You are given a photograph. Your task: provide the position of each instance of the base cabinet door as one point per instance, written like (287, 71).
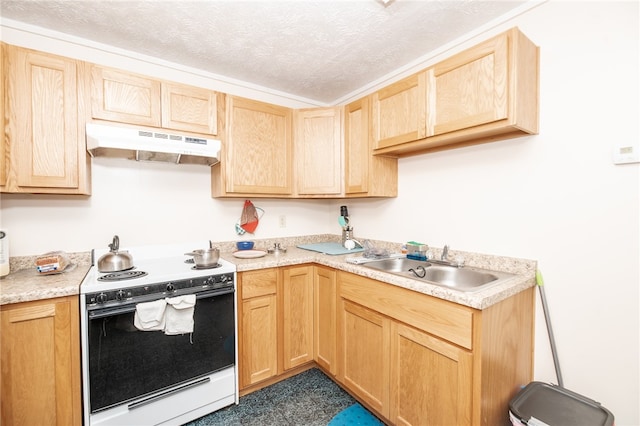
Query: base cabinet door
(364, 343)
(430, 380)
(325, 318)
(297, 316)
(259, 336)
(40, 358)
(257, 326)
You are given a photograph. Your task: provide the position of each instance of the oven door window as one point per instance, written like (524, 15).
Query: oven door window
(126, 363)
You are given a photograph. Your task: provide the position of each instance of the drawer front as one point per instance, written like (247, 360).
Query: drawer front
(440, 318)
(258, 283)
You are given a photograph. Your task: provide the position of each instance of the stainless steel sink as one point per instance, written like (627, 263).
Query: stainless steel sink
(465, 279)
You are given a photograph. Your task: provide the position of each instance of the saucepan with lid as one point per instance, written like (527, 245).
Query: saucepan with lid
(115, 260)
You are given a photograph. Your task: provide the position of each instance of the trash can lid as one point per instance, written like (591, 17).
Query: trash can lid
(554, 405)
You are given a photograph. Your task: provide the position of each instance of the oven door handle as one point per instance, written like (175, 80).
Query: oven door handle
(116, 310)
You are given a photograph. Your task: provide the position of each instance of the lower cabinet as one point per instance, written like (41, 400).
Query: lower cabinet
(412, 358)
(257, 326)
(275, 322)
(430, 379)
(364, 355)
(325, 318)
(297, 315)
(40, 358)
(419, 360)
(406, 375)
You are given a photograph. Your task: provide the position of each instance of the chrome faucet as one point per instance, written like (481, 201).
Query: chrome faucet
(445, 253)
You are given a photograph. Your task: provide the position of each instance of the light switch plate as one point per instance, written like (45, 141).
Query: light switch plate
(626, 153)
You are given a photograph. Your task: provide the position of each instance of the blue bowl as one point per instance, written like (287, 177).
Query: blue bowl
(244, 245)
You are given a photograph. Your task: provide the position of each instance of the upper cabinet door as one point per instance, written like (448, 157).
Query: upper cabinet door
(3, 140)
(366, 175)
(318, 146)
(189, 108)
(399, 111)
(470, 88)
(126, 98)
(47, 150)
(357, 152)
(258, 148)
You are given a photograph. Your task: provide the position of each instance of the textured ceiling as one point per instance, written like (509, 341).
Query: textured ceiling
(315, 50)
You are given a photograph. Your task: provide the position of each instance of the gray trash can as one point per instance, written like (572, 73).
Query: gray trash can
(542, 404)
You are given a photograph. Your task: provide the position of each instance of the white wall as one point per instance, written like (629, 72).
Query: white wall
(555, 197)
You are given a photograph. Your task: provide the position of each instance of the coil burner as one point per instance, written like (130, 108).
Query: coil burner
(122, 275)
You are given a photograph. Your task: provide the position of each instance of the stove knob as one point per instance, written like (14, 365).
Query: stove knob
(210, 281)
(121, 295)
(101, 298)
(171, 287)
(223, 278)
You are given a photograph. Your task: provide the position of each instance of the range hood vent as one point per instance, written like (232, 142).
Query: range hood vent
(144, 144)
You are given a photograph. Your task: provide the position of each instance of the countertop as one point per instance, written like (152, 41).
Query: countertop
(27, 285)
(523, 269)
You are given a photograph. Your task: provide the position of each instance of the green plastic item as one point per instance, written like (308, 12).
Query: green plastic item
(539, 280)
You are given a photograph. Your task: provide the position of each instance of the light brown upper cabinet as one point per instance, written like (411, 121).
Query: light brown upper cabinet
(189, 108)
(365, 174)
(138, 100)
(44, 146)
(3, 142)
(399, 112)
(257, 151)
(486, 93)
(318, 151)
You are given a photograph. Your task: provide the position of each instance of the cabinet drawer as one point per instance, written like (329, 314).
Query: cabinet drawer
(441, 318)
(258, 283)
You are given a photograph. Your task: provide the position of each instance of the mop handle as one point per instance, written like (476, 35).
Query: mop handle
(552, 340)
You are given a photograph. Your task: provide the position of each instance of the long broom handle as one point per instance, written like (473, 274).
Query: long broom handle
(552, 340)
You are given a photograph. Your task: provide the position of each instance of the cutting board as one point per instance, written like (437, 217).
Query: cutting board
(329, 248)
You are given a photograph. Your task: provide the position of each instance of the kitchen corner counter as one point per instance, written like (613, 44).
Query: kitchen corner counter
(27, 285)
(524, 270)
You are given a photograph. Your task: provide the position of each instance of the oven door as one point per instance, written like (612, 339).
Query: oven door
(125, 363)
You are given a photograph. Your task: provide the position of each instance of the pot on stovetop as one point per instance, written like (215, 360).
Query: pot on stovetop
(115, 261)
(205, 258)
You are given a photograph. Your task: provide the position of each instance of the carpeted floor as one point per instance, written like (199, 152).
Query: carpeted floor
(309, 398)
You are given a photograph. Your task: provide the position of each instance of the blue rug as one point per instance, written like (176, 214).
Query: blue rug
(354, 415)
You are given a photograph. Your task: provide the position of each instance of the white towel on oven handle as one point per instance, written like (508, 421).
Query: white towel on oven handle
(179, 314)
(150, 316)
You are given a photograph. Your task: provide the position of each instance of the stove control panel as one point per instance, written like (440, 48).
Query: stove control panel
(144, 293)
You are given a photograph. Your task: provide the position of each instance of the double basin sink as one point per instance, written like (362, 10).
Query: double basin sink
(459, 278)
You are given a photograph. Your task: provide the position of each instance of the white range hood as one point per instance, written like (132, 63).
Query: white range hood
(146, 144)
